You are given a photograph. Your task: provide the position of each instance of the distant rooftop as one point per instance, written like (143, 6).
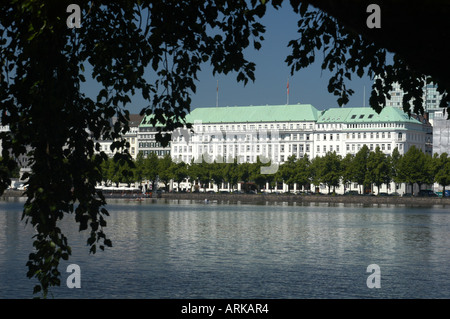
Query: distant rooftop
(292, 112)
(364, 115)
(252, 114)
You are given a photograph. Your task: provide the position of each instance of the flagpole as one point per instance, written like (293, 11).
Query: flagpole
(217, 94)
(287, 92)
(364, 98)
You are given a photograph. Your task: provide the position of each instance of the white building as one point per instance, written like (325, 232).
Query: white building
(131, 137)
(277, 132)
(146, 140)
(441, 133)
(431, 99)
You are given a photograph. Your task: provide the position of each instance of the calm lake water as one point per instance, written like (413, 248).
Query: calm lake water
(184, 249)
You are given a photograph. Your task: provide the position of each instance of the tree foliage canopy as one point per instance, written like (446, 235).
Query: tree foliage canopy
(156, 49)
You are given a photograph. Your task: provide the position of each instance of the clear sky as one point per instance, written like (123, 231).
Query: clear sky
(308, 86)
(272, 72)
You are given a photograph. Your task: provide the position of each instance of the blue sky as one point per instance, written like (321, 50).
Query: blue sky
(308, 86)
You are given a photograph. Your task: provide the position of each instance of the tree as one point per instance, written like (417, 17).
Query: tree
(165, 170)
(9, 172)
(394, 166)
(441, 170)
(44, 63)
(315, 168)
(216, 173)
(230, 174)
(346, 169)
(349, 46)
(287, 171)
(256, 176)
(139, 170)
(330, 170)
(243, 172)
(415, 168)
(179, 173)
(302, 172)
(377, 168)
(151, 168)
(359, 167)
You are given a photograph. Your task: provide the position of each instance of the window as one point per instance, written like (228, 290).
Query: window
(361, 116)
(337, 148)
(318, 148)
(353, 117)
(370, 116)
(324, 148)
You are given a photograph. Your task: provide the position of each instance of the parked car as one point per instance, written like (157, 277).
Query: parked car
(426, 193)
(351, 193)
(407, 195)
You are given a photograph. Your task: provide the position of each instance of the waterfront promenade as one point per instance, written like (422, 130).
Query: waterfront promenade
(290, 198)
(262, 198)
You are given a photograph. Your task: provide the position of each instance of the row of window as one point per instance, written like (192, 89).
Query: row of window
(149, 144)
(372, 135)
(292, 126)
(372, 147)
(157, 152)
(147, 136)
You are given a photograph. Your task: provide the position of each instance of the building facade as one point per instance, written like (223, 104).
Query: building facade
(131, 137)
(146, 140)
(273, 133)
(431, 99)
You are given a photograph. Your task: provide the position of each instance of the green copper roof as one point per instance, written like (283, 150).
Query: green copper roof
(146, 121)
(293, 112)
(248, 114)
(364, 115)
